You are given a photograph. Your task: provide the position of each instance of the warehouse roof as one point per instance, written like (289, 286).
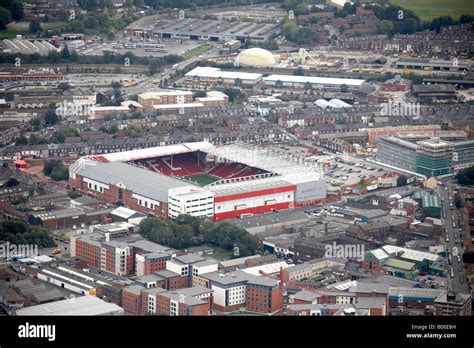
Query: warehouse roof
(83, 305)
(218, 73)
(400, 264)
(372, 287)
(313, 80)
(410, 254)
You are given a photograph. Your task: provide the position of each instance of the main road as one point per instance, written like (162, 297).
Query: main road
(452, 236)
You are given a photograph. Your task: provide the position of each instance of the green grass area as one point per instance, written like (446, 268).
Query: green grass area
(62, 235)
(10, 33)
(202, 179)
(196, 51)
(52, 25)
(221, 254)
(429, 9)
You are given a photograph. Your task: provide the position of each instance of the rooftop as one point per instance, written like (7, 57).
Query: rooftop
(83, 305)
(314, 80)
(141, 181)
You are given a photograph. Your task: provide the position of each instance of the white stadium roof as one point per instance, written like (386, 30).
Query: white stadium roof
(291, 169)
(157, 151)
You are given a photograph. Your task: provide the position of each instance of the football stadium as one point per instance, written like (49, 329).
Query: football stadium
(199, 179)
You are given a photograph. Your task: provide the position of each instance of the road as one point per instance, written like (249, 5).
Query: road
(450, 220)
(144, 85)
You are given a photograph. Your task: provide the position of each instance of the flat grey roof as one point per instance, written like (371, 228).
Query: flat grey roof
(189, 258)
(150, 246)
(141, 181)
(166, 274)
(148, 278)
(372, 287)
(237, 277)
(306, 295)
(135, 289)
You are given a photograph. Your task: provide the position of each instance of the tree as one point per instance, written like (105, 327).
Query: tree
(386, 27)
(298, 72)
(409, 26)
(60, 173)
(199, 94)
(50, 118)
(12, 182)
(50, 165)
(16, 9)
(22, 140)
(65, 54)
(35, 26)
(466, 19)
(18, 232)
(401, 181)
(134, 131)
(35, 122)
(466, 176)
(5, 17)
(458, 202)
(64, 86)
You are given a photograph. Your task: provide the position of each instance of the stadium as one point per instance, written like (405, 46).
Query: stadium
(199, 179)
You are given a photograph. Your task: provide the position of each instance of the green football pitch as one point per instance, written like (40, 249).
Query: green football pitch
(429, 9)
(202, 179)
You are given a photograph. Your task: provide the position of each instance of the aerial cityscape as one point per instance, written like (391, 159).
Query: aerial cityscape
(236, 158)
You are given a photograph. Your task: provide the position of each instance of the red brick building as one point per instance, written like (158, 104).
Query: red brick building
(131, 299)
(263, 295)
(185, 302)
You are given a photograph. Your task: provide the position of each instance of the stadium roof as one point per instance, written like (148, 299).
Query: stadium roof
(158, 151)
(271, 160)
(238, 187)
(141, 181)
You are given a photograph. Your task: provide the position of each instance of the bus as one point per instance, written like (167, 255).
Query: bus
(149, 45)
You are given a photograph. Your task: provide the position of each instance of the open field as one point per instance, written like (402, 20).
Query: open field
(429, 9)
(197, 51)
(221, 254)
(202, 179)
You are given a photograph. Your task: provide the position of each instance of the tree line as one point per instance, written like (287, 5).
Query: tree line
(18, 232)
(10, 10)
(187, 231)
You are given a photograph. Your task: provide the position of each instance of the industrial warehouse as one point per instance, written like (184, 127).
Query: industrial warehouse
(210, 76)
(206, 30)
(199, 179)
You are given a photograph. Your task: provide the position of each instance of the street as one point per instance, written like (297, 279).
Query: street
(450, 221)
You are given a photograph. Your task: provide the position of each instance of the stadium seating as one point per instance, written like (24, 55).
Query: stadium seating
(182, 165)
(233, 170)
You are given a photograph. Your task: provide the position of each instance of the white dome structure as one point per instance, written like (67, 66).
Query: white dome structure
(255, 57)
